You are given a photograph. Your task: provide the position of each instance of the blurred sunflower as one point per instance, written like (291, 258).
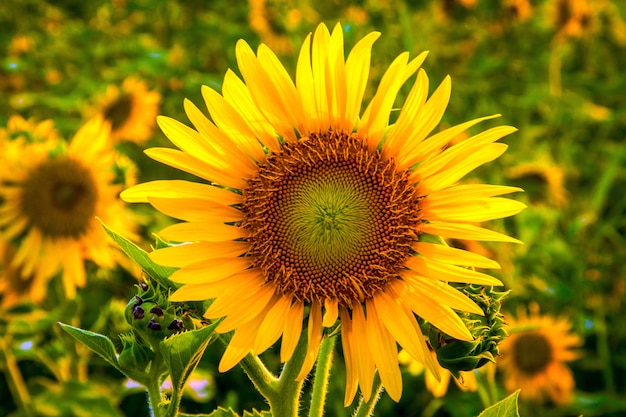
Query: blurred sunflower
(313, 209)
(131, 110)
(543, 181)
(533, 356)
(15, 288)
(438, 386)
(50, 195)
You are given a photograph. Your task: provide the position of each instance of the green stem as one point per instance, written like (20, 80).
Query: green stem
(366, 408)
(322, 373)
(284, 399)
(154, 386)
(15, 380)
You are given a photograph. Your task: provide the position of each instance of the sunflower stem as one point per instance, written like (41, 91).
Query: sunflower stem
(366, 408)
(16, 383)
(154, 386)
(322, 374)
(284, 399)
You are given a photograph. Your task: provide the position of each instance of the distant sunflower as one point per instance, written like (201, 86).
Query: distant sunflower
(131, 110)
(315, 208)
(50, 195)
(533, 357)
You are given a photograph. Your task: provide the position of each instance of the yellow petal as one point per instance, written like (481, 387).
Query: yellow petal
(319, 49)
(191, 253)
(245, 309)
(473, 211)
(179, 189)
(454, 256)
(188, 163)
(263, 90)
(314, 339)
(347, 338)
(464, 231)
(237, 94)
(384, 352)
(399, 324)
(305, 85)
(364, 362)
(438, 314)
(210, 270)
(449, 273)
(202, 231)
(240, 345)
(358, 68)
(292, 330)
(450, 175)
(273, 324)
(195, 210)
(331, 312)
(231, 123)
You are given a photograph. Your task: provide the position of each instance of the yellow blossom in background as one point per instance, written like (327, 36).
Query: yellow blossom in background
(543, 181)
(438, 386)
(570, 18)
(533, 356)
(131, 110)
(50, 196)
(315, 207)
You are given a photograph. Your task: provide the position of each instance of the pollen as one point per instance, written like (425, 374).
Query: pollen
(330, 219)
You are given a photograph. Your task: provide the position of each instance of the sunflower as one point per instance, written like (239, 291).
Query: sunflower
(131, 110)
(533, 356)
(50, 195)
(315, 209)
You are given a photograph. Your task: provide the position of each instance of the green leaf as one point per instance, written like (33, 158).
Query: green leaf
(140, 256)
(255, 413)
(181, 353)
(100, 344)
(505, 408)
(219, 412)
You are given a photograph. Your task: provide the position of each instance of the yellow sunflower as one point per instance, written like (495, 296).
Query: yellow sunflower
(533, 356)
(315, 208)
(131, 110)
(50, 195)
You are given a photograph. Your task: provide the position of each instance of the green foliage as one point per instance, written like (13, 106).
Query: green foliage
(182, 353)
(505, 408)
(134, 252)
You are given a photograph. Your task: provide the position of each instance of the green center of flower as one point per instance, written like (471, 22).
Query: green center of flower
(330, 219)
(532, 352)
(60, 197)
(118, 112)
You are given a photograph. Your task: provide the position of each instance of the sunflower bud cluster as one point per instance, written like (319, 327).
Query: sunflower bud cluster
(153, 316)
(488, 331)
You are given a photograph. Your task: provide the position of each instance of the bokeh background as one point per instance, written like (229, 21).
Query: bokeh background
(552, 68)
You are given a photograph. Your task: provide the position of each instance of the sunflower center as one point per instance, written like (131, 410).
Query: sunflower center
(60, 197)
(330, 219)
(118, 112)
(532, 352)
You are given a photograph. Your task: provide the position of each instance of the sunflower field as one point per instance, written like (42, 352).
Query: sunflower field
(303, 208)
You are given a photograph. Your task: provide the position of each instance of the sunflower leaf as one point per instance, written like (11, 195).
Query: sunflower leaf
(100, 344)
(505, 408)
(181, 353)
(218, 412)
(134, 252)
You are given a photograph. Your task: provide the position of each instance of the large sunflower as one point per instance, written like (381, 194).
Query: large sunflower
(131, 110)
(316, 208)
(50, 195)
(533, 356)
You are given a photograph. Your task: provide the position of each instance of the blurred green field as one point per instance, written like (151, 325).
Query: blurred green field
(553, 68)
